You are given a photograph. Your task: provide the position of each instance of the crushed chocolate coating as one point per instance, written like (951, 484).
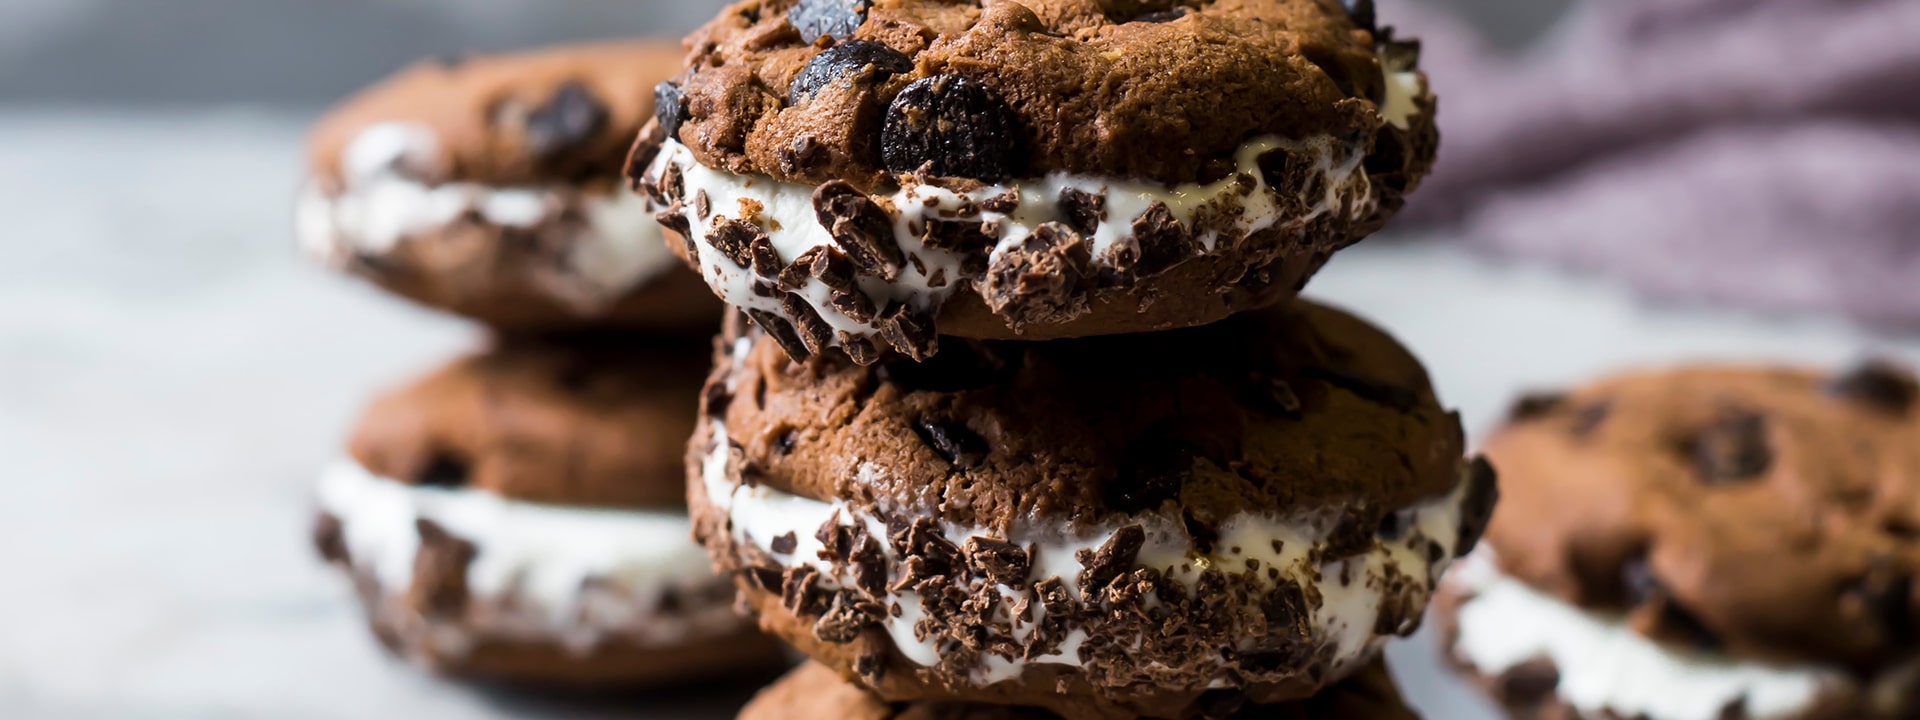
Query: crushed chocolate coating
(1148, 90)
(572, 421)
(1746, 508)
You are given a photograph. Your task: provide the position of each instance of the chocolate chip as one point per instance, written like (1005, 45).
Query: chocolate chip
(860, 61)
(1163, 241)
(1362, 13)
(1646, 593)
(329, 538)
(785, 544)
(1082, 210)
(1591, 417)
(735, 239)
(715, 398)
(952, 126)
(1530, 684)
(1476, 509)
(837, 19)
(1374, 391)
(909, 331)
(859, 227)
(1152, 471)
(782, 332)
(1885, 596)
(960, 446)
(444, 471)
(813, 330)
(1535, 405)
(670, 108)
(1733, 448)
(439, 571)
(1877, 384)
(1163, 16)
(827, 264)
(1100, 567)
(1350, 537)
(566, 123)
(1000, 561)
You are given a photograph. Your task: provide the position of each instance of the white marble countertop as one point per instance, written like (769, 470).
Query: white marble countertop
(171, 378)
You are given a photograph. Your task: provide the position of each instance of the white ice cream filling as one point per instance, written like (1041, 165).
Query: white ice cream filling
(573, 575)
(785, 212)
(1351, 595)
(1605, 666)
(614, 244)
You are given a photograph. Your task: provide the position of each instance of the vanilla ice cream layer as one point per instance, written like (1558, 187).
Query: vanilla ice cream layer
(579, 576)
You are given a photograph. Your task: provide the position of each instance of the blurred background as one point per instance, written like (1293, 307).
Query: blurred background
(1638, 181)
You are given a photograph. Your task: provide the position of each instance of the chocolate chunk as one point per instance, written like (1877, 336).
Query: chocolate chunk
(670, 108)
(329, 539)
(782, 332)
(1100, 567)
(1362, 13)
(1162, 240)
(859, 227)
(830, 266)
(1877, 384)
(1152, 472)
(443, 471)
(871, 667)
(1476, 509)
(837, 19)
(766, 259)
(961, 237)
(672, 188)
(702, 204)
(1591, 417)
(909, 331)
(813, 330)
(954, 442)
(715, 398)
(1082, 210)
(1530, 684)
(439, 571)
(855, 305)
(860, 349)
(952, 126)
(1733, 448)
(785, 544)
(568, 121)
(923, 539)
(735, 239)
(1886, 596)
(1350, 537)
(841, 623)
(766, 579)
(1220, 703)
(1374, 391)
(1650, 598)
(678, 223)
(1393, 526)
(862, 62)
(1004, 203)
(1535, 405)
(1041, 280)
(1000, 561)
(1163, 16)
(798, 593)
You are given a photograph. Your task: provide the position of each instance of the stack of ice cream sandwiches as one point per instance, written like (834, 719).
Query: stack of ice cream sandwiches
(519, 515)
(1019, 414)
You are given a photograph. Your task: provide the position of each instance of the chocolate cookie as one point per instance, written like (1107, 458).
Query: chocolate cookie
(1103, 527)
(1704, 542)
(869, 174)
(490, 187)
(517, 516)
(815, 692)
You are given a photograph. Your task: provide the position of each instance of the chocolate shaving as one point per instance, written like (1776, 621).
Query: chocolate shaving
(960, 446)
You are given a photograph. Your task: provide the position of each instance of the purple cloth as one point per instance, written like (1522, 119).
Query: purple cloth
(1758, 152)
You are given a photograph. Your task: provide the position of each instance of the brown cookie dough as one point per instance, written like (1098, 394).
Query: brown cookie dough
(814, 692)
(1104, 527)
(1763, 513)
(867, 175)
(489, 187)
(597, 421)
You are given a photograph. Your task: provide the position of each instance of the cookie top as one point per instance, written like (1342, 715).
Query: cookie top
(556, 115)
(1765, 512)
(1296, 407)
(1166, 90)
(600, 422)
(813, 691)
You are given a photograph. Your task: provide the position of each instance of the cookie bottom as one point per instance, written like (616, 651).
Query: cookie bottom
(1540, 657)
(470, 584)
(814, 692)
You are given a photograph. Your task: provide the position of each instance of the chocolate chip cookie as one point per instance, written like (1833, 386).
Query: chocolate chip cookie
(490, 187)
(814, 692)
(1703, 542)
(1103, 527)
(519, 516)
(866, 175)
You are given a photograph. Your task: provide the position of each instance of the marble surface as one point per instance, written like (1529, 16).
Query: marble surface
(171, 377)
